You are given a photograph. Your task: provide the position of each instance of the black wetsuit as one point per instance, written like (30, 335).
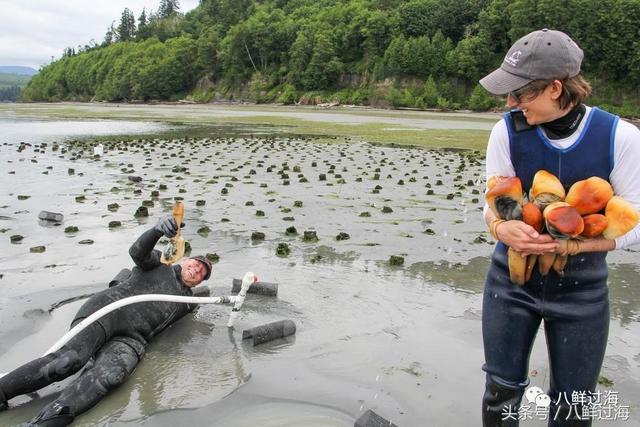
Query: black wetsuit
(116, 341)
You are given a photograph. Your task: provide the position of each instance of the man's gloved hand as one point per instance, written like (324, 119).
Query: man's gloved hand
(167, 226)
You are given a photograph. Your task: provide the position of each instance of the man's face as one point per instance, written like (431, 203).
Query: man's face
(193, 272)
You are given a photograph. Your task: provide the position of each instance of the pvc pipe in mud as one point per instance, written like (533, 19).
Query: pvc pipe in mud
(371, 419)
(270, 331)
(260, 288)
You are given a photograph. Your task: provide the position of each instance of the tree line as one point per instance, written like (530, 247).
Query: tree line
(11, 85)
(417, 53)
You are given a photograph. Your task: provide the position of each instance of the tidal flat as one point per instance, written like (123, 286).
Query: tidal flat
(401, 338)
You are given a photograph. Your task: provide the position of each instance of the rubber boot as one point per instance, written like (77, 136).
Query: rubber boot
(563, 415)
(500, 405)
(56, 414)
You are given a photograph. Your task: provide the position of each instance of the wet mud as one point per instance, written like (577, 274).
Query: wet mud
(403, 340)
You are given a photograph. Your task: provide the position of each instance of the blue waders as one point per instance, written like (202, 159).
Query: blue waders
(574, 308)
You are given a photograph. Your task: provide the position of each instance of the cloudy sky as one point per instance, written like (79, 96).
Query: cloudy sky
(32, 31)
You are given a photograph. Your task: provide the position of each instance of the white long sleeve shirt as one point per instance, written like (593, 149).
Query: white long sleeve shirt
(624, 178)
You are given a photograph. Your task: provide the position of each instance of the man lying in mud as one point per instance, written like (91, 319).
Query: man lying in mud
(115, 342)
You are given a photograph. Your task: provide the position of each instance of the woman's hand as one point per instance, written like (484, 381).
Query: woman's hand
(525, 239)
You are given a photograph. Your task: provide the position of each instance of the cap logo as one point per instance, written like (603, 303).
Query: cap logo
(513, 58)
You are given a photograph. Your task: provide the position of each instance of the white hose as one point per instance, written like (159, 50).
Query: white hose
(133, 300)
(248, 279)
(236, 300)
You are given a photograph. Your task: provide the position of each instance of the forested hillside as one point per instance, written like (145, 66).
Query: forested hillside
(418, 53)
(11, 84)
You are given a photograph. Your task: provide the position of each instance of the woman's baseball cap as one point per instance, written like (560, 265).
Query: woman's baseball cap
(540, 55)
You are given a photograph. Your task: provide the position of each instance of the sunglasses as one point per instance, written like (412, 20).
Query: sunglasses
(528, 91)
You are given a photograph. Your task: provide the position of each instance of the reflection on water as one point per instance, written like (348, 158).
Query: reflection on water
(624, 292)
(468, 277)
(37, 131)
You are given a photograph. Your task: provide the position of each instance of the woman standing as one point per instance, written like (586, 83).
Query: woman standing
(551, 129)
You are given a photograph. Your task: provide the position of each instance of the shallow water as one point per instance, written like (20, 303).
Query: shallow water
(404, 341)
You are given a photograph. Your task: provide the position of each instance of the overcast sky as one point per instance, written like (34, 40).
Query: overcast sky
(32, 31)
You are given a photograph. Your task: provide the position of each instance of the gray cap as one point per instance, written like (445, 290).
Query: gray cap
(540, 55)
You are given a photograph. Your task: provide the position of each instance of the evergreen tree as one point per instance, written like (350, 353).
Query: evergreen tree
(127, 27)
(142, 32)
(168, 8)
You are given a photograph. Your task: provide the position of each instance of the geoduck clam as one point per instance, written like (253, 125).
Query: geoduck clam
(589, 196)
(176, 247)
(621, 216)
(505, 198)
(546, 188)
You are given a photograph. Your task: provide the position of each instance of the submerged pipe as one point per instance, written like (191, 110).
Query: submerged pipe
(269, 332)
(371, 419)
(260, 288)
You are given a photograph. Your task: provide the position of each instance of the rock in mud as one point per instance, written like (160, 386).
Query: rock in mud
(282, 250)
(309, 236)
(259, 213)
(37, 249)
(113, 207)
(23, 197)
(201, 202)
(204, 231)
(133, 178)
(86, 242)
(342, 236)
(80, 199)
(480, 239)
(115, 224)
(387, 209)
(291, 231)
(396, 260)
(16, 238)
(71, 229)
(213, 257)
(257, 236)
(51, 216)
(141, 212)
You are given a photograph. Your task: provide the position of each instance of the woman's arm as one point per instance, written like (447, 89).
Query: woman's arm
(515, 234)
(625, 176)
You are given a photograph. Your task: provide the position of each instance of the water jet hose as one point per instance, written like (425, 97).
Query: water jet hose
(237, 301)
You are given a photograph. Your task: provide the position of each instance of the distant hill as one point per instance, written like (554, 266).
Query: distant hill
(12, 80)
(13, 69)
